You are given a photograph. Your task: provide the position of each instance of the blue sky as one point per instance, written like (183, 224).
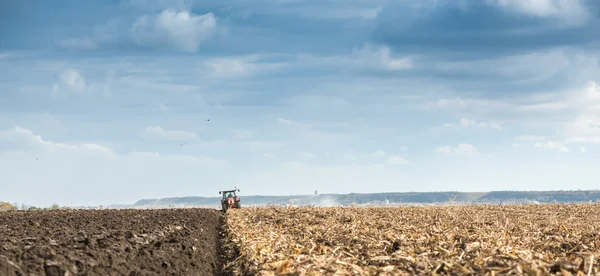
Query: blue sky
(108, 101)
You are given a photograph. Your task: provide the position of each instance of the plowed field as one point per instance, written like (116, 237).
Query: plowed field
(561, 239)
(110, 242)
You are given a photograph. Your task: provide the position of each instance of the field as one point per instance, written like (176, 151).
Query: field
(479, 240)
(110, 242)
(453, 240)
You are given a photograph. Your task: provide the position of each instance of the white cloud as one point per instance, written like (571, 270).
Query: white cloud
(588, 140)
(349, 156)
(541, 142)
(336, 10)
(572, 114)
(183, 30)
(472, 123)
(286, 121)
(163, 107)
(582, 149)
(576, 66)
(241, 66)
(303, 128)
(371, 13)
(310, 131)
(396, 160)
(390, 159)
(259, 146)
(380, 154)
(230, 66)
(73, 82)
(531, 67)
(307, 155)
(360, 59)
(8, 55)
(69, 81)
(444, 149)
(157, 4)
(585, 127)
(178, 29)
(158, 133)
(573, 11)
(269, 156)
(462, 149)
(22, 139)
(381, 57)
(84, 43)
(552, 146)
(580, 103)
(93, 173)
(459, 103)
(341, 13)
(586, 100)
(530, 138)
(13, 54)
(242, 134)
(486, 106)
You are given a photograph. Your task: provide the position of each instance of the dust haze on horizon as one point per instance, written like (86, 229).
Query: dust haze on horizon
(108, 102)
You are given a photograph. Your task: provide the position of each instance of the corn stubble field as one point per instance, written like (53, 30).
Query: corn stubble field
(477, 240)
(454, 240)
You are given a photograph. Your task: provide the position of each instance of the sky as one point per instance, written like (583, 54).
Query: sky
(108, 101)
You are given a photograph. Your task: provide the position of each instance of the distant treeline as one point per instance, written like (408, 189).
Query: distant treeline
(392, 198)
(5, 206)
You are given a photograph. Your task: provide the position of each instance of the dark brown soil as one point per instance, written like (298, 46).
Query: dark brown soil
(111, 242)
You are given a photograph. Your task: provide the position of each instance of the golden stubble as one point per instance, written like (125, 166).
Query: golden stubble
(558, 239)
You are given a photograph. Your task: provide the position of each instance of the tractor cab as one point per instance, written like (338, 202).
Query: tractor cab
(230, 199)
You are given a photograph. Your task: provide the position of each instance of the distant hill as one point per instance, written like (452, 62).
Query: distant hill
(411, 198)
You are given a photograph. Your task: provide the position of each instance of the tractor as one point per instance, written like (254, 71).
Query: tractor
(230, 200)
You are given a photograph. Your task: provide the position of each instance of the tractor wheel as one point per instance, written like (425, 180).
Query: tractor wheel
(224, 207)
(238, 205)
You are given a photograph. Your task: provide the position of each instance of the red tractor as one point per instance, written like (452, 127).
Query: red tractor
(230, 200)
